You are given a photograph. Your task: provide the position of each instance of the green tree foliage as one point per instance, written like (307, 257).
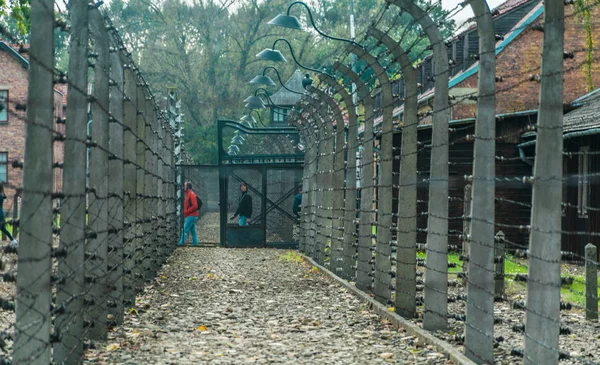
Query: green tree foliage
(15, 19)
(207, 48)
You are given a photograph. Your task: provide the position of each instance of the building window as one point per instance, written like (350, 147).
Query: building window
(279, 115)
(3, 106)
(583, 182)
(4, 166)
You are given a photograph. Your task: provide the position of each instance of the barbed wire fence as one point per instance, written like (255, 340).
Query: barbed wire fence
(86, 247)
(472, 244)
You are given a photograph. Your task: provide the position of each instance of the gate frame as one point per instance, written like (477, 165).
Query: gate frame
(265, 163)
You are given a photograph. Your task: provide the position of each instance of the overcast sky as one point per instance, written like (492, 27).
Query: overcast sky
(466, 12)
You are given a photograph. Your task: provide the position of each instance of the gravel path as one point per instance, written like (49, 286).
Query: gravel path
(226, 306)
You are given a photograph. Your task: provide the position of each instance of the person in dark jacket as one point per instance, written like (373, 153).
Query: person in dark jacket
(244, 209)
(190, 215)
(297, 206)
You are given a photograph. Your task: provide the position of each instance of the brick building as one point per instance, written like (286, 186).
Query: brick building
(13, 99)
(517, 25)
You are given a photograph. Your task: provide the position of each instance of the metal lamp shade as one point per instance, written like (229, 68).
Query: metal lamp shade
(271, 55)
(262, 80)
(233, 150)
(286, 21)
(237, 140)
(253, 99)
(248, 119)
(252, 106)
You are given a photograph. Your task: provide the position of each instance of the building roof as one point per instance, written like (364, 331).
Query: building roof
(14, 53)
(13, 50)
(526, 19)
(585, 117)
(285, 97)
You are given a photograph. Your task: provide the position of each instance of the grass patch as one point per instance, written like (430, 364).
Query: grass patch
(292, 256)
(511, 266)
(573, 293)
(452, 258)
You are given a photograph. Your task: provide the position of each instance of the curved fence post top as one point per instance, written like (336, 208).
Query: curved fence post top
(421, 16)
(361, 87)
(394, 47)
(372, 62)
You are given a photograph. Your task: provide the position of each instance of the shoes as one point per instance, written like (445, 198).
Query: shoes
(195, 244)
(14, 243)
(179, 244)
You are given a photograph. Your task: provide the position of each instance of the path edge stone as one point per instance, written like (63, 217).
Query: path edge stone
(399, 322)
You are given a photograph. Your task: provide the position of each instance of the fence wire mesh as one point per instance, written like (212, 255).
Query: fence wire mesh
(98, 202)
(452, 223)
(459, 223)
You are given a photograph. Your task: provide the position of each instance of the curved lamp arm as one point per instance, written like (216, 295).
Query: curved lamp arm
(259, 118)
(294, 56)
(279, 78)
(264, 92)
(312, 21)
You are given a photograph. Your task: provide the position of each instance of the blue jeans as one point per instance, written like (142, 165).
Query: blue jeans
(243, 220)
(189, 225)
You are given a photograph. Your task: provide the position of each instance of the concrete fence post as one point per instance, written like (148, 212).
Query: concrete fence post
(307, 194)
(542, 324)
(383, 253)
(499, 254)
(34, 291)
(466, 235)
(116, 198)
(436, 274)
(364, 265)
(326, 177)
(69, 321)
(129, 185)
(349, 242)
(336, 186)
(96, 245)
(314, 186)
(318, 214)
(406, 239)
(161, 171)
(142, 202)
(479, 329)
(150, 240)
(591, 282)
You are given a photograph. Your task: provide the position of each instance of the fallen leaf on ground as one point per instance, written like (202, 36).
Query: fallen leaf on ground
(112, 347)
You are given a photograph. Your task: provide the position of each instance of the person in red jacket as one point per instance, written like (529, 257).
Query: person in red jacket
(190, 214)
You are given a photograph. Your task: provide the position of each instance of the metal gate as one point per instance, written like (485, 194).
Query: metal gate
(269, 162)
